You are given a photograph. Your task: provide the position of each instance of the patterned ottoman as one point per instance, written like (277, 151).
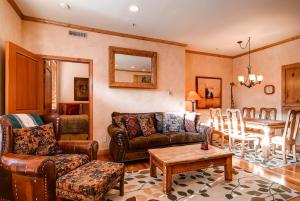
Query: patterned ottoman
(91, 181)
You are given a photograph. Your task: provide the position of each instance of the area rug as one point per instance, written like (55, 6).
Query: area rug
(275, 161)
(205, 184)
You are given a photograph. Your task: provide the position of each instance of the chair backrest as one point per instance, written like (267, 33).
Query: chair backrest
(248, 112)
(268, 113)
(216, 118)
(292, 126)
(235, 122)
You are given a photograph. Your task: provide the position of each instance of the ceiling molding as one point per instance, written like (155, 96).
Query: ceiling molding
(269, 46)
(208, 54)
(101, 31)
(90, 29)
(16, 8)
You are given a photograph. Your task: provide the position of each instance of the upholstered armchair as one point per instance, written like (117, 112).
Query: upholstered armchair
(32, 177)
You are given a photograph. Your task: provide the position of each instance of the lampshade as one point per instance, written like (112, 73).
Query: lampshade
(192, 96)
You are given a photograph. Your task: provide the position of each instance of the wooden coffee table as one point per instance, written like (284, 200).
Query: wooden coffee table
(175, 160)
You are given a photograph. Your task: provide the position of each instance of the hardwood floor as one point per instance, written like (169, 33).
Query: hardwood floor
(288, 176)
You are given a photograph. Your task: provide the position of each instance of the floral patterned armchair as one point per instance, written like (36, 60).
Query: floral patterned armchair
(32, 177)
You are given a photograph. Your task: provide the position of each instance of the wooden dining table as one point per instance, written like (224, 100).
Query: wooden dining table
(266, 126)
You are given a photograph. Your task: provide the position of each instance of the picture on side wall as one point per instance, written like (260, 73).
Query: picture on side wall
(210, 91)
(81, 89)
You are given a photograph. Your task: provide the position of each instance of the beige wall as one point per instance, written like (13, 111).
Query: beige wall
(10, 30)
(67, 71)
(268, 63)
(53, 40)
(209, 66)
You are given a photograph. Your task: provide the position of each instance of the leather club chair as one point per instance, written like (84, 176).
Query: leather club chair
(31, 177)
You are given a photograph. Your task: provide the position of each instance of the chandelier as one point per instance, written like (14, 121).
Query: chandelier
(251, 79)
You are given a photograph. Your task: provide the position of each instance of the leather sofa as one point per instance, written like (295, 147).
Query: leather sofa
(123, 149)
(32, 177)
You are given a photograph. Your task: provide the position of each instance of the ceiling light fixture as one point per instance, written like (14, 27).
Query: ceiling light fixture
(133, 8)
(132, 67)
(65, 5)
(251, 79)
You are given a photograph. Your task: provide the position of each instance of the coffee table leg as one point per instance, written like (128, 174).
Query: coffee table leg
(167, 181)
(228, 168)
(152, 168)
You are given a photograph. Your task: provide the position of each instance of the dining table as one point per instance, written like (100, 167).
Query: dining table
(266, 126)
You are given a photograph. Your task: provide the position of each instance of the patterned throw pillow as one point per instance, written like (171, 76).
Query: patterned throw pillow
(26, 140)
(147, 124)
(132, 126)
(159, 123)
(72, 109)
(189, 122)
(47, 141)
(119, 121)
(173, 122)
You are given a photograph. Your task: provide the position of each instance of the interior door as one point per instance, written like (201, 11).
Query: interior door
(24, 81)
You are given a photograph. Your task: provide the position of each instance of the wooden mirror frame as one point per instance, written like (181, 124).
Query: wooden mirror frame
(119, 50)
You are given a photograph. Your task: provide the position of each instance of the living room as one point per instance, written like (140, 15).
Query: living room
(183, 57)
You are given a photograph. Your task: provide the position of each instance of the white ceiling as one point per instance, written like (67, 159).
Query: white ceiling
(203, 24)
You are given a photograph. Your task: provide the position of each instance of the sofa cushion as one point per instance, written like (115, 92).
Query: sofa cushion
(189, 122)
(132, 126)
(194, 137)
(26, 140)
(90, 181)
(140, 142)
(65, 163)
(118, 120)
(158, 139)
(176, 137)
(146, 122)
(159, 123)
(173, 122)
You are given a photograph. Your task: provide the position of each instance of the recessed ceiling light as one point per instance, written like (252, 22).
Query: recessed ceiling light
(133, 8)
(132, 67)
(65, 5)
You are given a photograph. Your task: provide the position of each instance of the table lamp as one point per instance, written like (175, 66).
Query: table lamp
(193, 96)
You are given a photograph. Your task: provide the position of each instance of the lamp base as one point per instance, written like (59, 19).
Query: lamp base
(193, 106)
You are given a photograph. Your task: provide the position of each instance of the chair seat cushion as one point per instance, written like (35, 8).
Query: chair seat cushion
(65, 163)
(90, 181)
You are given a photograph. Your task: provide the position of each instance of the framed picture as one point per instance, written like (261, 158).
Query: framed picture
(81, 89)
(269, 89)
(210, 91)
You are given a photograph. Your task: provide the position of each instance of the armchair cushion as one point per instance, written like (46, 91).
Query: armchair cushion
(26, 140)
(65, 163)
(47, 141)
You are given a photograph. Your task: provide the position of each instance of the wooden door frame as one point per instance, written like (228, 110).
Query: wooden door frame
(90, 64)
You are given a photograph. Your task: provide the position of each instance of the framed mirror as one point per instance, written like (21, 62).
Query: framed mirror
(130, 68)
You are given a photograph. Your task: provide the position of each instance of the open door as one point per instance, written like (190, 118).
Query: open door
(24, 81)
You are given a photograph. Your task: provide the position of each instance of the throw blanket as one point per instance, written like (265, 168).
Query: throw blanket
(74, 124)
(22, 120)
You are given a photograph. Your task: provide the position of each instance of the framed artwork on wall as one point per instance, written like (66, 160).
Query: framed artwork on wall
(269, 89)
(81, 89)
(210, 91)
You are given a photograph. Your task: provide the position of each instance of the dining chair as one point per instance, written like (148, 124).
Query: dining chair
(268, 113)
(237, 131)
(217, 123)
(248, 112)
(288, 139)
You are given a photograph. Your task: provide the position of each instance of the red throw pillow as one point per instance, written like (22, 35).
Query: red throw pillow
(72, 109)
(132, 126)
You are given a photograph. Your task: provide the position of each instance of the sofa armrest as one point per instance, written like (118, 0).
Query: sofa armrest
(119, 142)
(28, 164)
(87, 147)
(206, 132)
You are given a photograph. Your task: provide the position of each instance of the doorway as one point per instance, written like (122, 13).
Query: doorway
(69, 92)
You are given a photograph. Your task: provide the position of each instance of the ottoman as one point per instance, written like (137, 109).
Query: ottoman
(91, 181)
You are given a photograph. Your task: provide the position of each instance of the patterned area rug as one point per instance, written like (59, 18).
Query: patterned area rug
(206, 184)
(275, 161)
